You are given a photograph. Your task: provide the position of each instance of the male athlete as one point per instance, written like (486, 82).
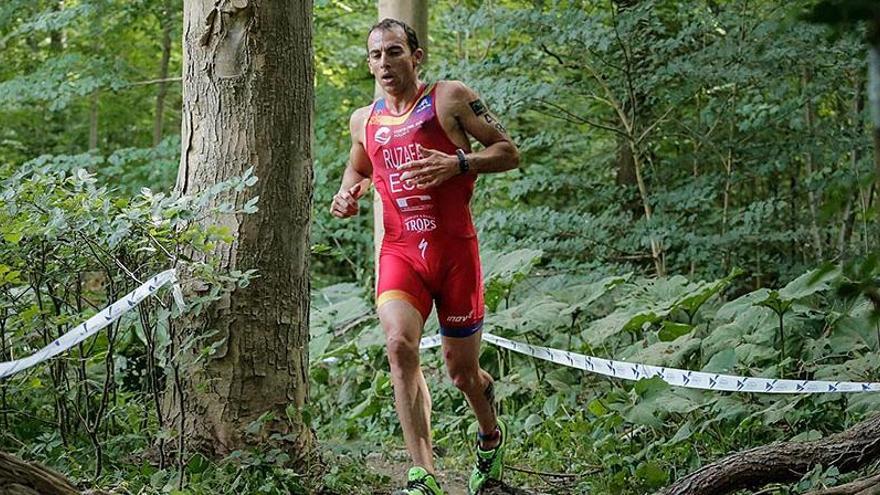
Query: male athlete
(414, 145)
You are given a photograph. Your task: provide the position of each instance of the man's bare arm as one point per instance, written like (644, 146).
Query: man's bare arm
(358, 170)
(471, 118)
(500, 153)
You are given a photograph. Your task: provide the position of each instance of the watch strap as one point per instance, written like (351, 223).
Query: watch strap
(464, 164)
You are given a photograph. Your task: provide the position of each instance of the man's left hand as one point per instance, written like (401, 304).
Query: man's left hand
(434, 168)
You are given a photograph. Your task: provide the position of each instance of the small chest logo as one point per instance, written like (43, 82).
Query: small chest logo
(424, 104)
(423, 245)
(383, 135)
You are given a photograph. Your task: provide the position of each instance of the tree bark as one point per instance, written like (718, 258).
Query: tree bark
(783, 462)
(247, 103)
(874, 95)
(864, 486)
(165, 20)
(848, 216)
(94, 101)
(30, 478)
(809, 115)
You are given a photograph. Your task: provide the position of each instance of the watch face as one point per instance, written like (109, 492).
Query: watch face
(463, 164)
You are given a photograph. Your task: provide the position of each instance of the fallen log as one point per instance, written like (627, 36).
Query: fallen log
(783, 462)
(863, 486)
(31, 478)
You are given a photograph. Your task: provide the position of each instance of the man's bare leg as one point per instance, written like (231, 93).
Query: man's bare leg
(402, 324)
(462, 356)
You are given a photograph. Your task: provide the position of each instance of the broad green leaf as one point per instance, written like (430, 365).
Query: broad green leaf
(551, 405)
(670, 330)
(533, 422)
(597, 408)
(683, 433)
(808, 284)
(652, 474)
(723, 361)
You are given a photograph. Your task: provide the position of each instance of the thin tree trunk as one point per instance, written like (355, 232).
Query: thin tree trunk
(656, 249)
(874, 96)
(811, 196)
(848, 217)
(163, 73)
(93, 121)
(56, 37)
(248, 103)
(631, 113)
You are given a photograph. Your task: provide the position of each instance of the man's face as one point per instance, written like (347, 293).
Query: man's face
(391, 61)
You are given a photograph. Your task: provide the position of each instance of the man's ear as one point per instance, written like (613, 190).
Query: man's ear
(419, 55)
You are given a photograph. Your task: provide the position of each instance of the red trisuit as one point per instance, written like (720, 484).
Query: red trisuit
(429, 252)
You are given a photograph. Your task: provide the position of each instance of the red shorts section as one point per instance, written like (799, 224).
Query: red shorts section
(428, 271)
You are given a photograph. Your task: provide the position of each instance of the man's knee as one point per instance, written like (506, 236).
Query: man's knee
(464, 378)
(403, 351)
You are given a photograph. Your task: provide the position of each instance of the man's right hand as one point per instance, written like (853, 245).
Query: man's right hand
(345, 203)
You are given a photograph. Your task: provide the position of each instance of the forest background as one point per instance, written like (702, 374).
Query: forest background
(697, 190)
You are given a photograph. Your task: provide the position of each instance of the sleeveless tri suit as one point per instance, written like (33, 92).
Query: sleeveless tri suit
(429, 252)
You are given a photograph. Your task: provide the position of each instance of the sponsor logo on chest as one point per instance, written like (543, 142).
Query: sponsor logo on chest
(382, 135)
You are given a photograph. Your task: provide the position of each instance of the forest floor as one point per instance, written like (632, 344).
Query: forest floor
(453, 480)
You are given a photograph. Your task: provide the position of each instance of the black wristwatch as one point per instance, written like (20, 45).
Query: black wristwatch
(463, 164)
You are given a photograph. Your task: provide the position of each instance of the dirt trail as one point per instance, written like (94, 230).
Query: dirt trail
(453, 481)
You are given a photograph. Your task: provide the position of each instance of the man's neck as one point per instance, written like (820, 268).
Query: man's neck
(398, 103)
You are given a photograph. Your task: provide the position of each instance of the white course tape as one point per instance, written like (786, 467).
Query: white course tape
(672, 376)
(94, 324)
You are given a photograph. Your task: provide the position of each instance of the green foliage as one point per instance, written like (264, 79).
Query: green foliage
(644, 431)
(755, 166)
(71, 247)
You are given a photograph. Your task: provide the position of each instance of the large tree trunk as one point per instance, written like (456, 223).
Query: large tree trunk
(414, 13)
(248, 102)
(783, 462)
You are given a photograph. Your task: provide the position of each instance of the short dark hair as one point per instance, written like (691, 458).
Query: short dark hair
(387, 23)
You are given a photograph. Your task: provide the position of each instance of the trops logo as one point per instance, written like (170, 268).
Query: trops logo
(383, 135)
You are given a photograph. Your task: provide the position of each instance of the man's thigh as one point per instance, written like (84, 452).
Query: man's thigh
(460, 299)
(399, 318)
(400, 282)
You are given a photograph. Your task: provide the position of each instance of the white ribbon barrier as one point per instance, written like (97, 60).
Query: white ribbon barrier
(96, 323)
(672, 376)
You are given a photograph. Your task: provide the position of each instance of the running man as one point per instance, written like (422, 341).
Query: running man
(414, 145)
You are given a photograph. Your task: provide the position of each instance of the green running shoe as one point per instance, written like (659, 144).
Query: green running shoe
(420, 482)
(490, 463)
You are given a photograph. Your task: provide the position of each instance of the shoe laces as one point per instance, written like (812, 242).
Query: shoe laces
(420, 486)
(485, 464)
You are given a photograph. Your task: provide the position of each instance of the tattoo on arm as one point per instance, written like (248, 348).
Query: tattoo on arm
(478, 107)
(495, 123)
(480, 110)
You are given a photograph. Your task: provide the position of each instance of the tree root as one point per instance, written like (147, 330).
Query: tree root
(862, 486)
(30, 478)
(783, 462)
